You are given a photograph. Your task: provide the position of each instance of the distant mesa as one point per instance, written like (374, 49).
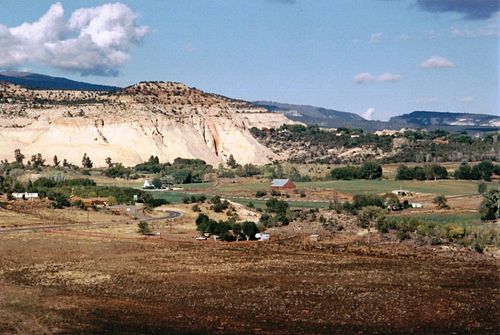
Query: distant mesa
(40, 81)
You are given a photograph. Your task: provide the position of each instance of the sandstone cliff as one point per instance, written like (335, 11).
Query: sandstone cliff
(167, 120)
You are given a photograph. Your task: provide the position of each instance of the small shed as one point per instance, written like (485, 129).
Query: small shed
(282, 184)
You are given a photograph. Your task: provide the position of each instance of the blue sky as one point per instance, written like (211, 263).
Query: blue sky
(377, 58)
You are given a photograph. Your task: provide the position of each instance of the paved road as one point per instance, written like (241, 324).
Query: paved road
(168, 215)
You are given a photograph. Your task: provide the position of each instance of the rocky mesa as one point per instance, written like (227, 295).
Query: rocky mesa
(164, 119)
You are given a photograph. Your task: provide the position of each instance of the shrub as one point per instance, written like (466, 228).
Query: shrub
(441, 202)
(143, 228)
(260, 193)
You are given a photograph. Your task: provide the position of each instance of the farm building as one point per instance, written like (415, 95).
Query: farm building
(25, 195)
(282, 184)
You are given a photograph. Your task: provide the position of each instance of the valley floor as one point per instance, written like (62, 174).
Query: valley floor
(110, 280)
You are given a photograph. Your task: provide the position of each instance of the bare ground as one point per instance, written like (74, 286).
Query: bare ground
(80, 284)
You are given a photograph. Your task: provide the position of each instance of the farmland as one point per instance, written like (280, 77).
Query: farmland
(89, 269)
(110, 281)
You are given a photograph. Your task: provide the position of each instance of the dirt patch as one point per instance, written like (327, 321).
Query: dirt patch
(158, 286)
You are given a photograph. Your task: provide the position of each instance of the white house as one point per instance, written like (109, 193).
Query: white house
(147, 184)
(416, 205)
(25, 195)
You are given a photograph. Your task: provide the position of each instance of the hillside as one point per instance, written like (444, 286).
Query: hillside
(40, 81)
(329, 118)
(168, 120)
(425, 119)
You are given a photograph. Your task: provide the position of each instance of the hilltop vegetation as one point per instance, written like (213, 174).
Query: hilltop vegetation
(311, 144)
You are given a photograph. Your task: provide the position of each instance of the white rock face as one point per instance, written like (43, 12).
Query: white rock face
(168, 120)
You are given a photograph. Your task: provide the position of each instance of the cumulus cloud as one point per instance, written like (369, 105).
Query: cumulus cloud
(471, 9)
(389, 77)
(376, 37)
(363, 78)
(94, 40)
(366, 77)
(370, 112)
(436, 62)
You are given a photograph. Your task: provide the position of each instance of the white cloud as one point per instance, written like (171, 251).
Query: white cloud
(436, 62)
(95, 40)
(370, 112)
(467, 99)
(366, 77)
(389, 77)
(483, 31)
(363, 78)
(356, 41)
(376, 37)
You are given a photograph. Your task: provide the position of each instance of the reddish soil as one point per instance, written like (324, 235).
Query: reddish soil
(71, 284)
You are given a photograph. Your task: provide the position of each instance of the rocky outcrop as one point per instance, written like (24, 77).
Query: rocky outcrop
(168, 120)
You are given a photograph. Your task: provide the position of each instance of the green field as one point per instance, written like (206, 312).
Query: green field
(177, 197)
(264, 186)
(196, 186)
(445, 187)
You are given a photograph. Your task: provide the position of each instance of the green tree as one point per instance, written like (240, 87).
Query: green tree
(463, 171)
(56, 161)
(19, 157)
(37, 161)
(441, 202)
(249, 228)
(369, 216)
(237, 231)
(404, 173)
(370, 170)
(86, 162)
(490, 206)
(108, 162)
(231, 162)
(482, 187)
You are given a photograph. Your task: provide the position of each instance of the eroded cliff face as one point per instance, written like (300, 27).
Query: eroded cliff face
(168, 120)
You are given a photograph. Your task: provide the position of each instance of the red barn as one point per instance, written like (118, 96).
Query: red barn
(282, 184)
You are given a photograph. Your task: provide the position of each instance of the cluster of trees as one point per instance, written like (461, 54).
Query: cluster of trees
(276, 213)
(480, 171)
(320, 141)
(427, 172)
(219, 205)
(182, 170)
(368, 170)
(226, 230)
